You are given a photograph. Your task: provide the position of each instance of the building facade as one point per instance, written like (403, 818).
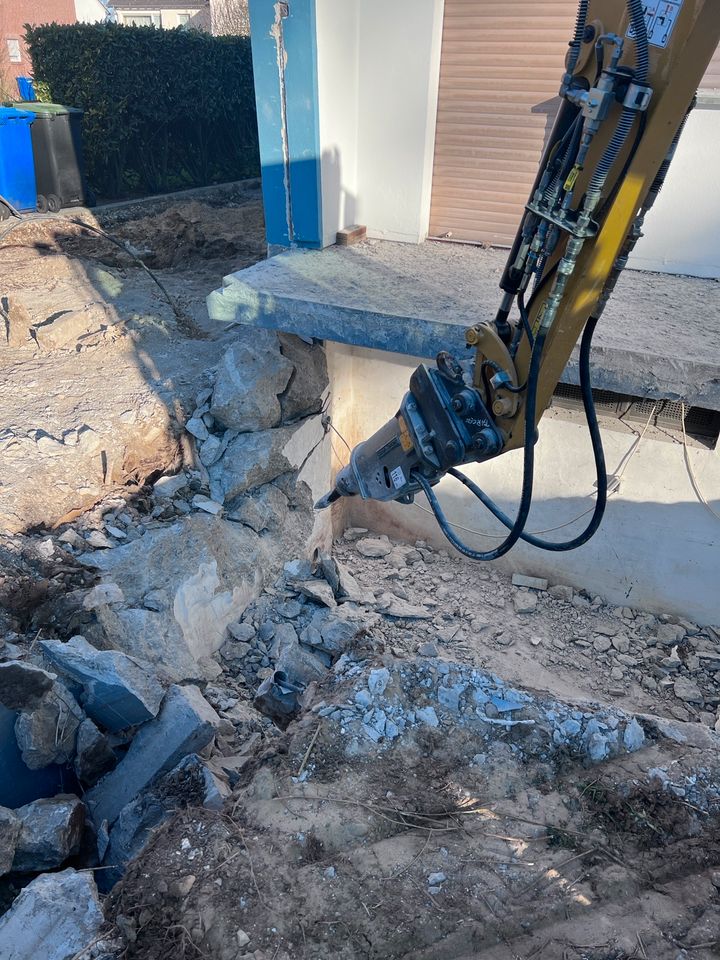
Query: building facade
(14, 14)
(167, 14)
(426, 118)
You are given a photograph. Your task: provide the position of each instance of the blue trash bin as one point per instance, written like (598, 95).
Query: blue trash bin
(17, 170)
(26, 88)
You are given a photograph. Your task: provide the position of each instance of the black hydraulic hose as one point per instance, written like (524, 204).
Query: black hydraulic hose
(577, 40)
(642, 56)
(598, 453)
(516, 527)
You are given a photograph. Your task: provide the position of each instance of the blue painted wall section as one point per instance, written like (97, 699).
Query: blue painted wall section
(284, 52)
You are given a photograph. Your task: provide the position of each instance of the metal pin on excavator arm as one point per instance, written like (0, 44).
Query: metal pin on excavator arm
(632, 70)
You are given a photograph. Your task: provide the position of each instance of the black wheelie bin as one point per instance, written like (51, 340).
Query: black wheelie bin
(57, 148)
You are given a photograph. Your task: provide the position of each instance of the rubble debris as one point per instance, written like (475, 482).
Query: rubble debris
(46, 733)
(23, 685)
(94, 755)
(50, 832)
(10, 826)
(56, 917)
(118, 691)
(186, 723)
(190, 782)
(251, 375)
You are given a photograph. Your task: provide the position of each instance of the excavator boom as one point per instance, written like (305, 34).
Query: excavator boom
(631, 74)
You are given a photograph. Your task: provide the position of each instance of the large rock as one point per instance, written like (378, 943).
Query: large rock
(47, 733)
(55, 917)
(253, 459)
(186, 724)
(198, 576)
(299, 665)
(251, 375)
(304, 393)
(10, 826)
(51, 832)
(118, 691)
(23, 685)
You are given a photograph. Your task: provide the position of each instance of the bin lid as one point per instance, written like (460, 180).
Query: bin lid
(48, 109)
(10, 114)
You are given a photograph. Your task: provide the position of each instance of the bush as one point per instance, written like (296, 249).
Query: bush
(164, 109)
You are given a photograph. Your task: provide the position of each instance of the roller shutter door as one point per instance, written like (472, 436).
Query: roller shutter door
(500, 71)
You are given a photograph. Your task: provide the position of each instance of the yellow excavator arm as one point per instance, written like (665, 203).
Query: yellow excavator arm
(631, 73)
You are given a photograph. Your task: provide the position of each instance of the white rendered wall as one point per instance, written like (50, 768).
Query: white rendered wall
(378, 69)
(90, 11)
(657, 548)
(682, 231)
(337, 31)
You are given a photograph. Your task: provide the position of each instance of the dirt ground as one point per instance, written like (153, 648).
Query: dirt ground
(99, 370)
(443, 843)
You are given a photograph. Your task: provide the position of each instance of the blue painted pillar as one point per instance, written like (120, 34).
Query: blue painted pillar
(284, 50)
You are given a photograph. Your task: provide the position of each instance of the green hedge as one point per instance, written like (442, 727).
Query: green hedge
(164, 109)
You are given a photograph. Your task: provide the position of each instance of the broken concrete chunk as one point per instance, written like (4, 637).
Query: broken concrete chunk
(46, 734)
(560, 591)
(373, 548)
(253, 459)
(350, 590)
(50, 832)
(167, 487)
(10, 826)
(118, 691)
(532, 583)
(303, 394)
(94, 755)
(205, 503)
(101, 595)
(186, 723)
(22, 686)
(525, 602)
(393, 606)
(98, 540)
(688, 691)
(56, 917)
(318, 590)
(183, 583)
(197, 428)
(211, 450)
(250, 376)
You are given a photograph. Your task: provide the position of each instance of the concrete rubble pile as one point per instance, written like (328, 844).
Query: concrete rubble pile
(111, 628)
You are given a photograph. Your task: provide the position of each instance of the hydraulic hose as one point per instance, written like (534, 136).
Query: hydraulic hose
(576, 42)
(518, 525)
(598, 453)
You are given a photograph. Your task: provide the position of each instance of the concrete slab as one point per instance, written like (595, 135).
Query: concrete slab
(659, 337)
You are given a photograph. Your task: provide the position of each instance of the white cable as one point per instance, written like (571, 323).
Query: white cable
(688, 464)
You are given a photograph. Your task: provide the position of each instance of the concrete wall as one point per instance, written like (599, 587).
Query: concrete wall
(682, 231)
(657, 548)
(378, 67)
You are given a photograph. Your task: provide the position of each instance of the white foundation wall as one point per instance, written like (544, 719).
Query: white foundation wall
(658, 546)
(682, 231)
(378, 70)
